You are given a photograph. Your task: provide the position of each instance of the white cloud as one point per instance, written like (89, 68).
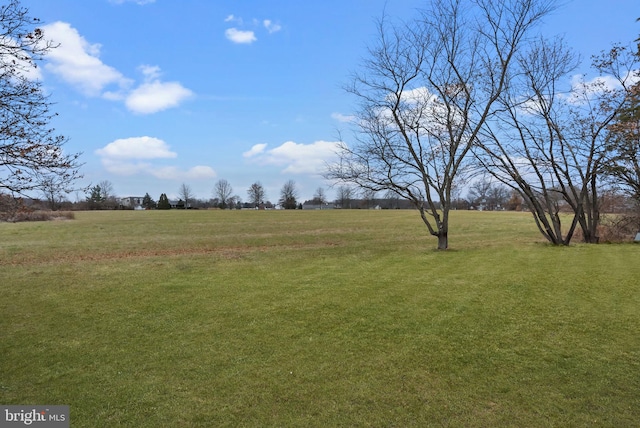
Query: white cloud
(239, 36)
(420, 95)
(342, 118)
(130, 156)
(150, 72)
(632, 78)
(271, 27)
(155, 96)
(583, 90)
(297, 158)
(597, 83)
(233, 18)
(255, 150)
(77, 61)
(136, 148)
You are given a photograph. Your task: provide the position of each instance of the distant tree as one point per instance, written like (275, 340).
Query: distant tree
(223, 191)
(498, 196)
(256, 194)
(163, 202)
(31, 154)
(344, 196)
(185, 194)
(515, 202)
(368, 197)
(478, 192)
(200, 203)
(288, 196)
(53, 188)
(96, 198)
(109, 196)
(147, 202)
(234, 202)
(392, 199)
(488, 194)
(320, 197)
(106, 187)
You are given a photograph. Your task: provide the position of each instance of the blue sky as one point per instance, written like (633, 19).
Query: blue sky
(157, 93)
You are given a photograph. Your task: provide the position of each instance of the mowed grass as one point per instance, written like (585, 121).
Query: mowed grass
(317, 318)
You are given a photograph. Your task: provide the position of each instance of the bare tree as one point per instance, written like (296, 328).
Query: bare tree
(234, 201)
(108, 194)
(320, 197)
(498, 196)
(288, 196)
(107, 189)
(368, 197)
(344, 195)
(186, 194)
(223, 191)
(257, 194)
(426, 91)
(623, 141)
(478, 192)
(31, 153)
(101, 196)
(392, 199)
(488, 194)
(53, 189)
(550, 144)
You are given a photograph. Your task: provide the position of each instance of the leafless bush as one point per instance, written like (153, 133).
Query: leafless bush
(14, 210)
(619, 227)
(37, 216)
(11, 208)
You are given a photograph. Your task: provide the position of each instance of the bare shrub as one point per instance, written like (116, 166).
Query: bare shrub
(14, 210)
(43, 216)
(11, 208)
(619, 227)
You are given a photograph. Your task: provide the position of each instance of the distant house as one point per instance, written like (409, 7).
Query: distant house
(179, 204)
(131, 202)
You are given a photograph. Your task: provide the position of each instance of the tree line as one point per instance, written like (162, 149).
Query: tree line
(102, 196)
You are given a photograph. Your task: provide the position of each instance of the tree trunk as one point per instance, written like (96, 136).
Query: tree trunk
(443, 240)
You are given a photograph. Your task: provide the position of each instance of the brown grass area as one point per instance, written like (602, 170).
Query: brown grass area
(227, 253)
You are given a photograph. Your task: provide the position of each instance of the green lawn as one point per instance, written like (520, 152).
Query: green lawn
(317, 318)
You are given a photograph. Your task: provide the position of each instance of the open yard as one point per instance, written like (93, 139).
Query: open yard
(317, 318)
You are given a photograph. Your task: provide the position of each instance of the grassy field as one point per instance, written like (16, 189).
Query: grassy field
(317, 318)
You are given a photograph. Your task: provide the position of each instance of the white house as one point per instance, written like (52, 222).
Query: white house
(134, 202)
